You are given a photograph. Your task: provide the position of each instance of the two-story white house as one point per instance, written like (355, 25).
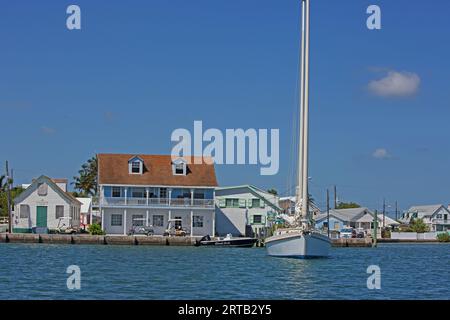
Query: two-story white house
(436, 217)
(153, 189)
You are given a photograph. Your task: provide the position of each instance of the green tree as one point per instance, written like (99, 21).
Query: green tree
(348, 205)
(4, 184)
(86, 181)
(417, 225)
(273, 191)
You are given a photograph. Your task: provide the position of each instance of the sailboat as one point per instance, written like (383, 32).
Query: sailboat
(301, 240)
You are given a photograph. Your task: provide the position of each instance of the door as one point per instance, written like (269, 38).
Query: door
(41, 216)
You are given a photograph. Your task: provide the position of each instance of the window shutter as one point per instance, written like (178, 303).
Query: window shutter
(222, 203)
(250, 203)
(261, 203)
(242, 203)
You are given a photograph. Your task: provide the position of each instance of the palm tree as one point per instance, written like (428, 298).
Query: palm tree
(86, 181)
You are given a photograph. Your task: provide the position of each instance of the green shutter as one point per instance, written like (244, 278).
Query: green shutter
(242, 203)
(250, 203)
(261, 203)
(222, 203)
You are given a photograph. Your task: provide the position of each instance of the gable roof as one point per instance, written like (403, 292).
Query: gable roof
(51, 183)
(257, 192)
(345, 215)
(423, 211)
(113, 169)
(356, 215)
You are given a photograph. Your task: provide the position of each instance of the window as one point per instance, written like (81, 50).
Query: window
(232, 203)
(24, 211)
(439, 216)
(136, 167)
(255, 203)
(199, 195)
(257, 218)
(116, 220)
(179, 168)
(116, 192)
(138, 193)
(59, 212)
(137, 220)
(163, 193)
(197, 221)
(336, 226)
(71, 212)
(42, 189)
(158, 221)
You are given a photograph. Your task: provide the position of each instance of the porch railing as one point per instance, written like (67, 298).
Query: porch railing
(184, 202)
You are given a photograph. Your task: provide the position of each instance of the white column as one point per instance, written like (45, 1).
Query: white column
(146, 220)
(170, 214)
(192, 223)
(102, 212)
(192, 197)
(146, 194)
(90, 215)
(214, 223)
(126, 191)
(125, 222)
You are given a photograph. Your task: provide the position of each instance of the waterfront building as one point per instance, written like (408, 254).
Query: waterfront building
(358, 218)
(153, 189)
(45, 203)
(436, 217)
(245, 211)
(287, 204)
(88, 215)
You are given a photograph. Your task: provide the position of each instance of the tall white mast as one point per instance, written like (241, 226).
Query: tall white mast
(304, 113)
(301, 103)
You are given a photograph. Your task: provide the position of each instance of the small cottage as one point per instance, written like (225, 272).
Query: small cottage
(45, 203)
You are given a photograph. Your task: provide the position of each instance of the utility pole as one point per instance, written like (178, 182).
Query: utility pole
(335, 197)
(328, 213)
(8, 199)
(375, 230)
(396, 210)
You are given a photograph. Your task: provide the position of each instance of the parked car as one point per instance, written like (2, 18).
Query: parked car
(348, 232)
(140, 229)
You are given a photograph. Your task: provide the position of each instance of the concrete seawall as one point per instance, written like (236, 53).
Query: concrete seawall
(352, 242)
(103, 240)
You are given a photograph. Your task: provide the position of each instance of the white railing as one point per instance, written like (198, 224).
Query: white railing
(440, 221)
(154, 202)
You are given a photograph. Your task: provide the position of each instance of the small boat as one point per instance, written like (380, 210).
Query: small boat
(228, 241)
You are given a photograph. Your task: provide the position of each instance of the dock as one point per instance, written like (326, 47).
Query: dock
(98, 240)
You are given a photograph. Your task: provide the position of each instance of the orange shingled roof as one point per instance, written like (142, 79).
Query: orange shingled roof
(113, 169)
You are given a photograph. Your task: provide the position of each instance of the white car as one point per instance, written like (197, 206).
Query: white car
(347, 232)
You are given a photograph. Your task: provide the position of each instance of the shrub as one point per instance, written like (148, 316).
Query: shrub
(443, 237)
(95, 229)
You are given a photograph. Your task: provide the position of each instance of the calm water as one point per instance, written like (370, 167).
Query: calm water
(136, 272)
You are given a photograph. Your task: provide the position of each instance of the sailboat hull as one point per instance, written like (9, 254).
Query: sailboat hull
(298, 245)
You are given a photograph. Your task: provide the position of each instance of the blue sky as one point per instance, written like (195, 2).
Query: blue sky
(140, 69)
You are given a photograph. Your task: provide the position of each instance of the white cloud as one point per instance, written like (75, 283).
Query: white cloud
(396, 84)
(381, 153)
(48, 130)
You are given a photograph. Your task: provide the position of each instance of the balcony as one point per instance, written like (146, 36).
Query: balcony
(157, 202)
(440, 221)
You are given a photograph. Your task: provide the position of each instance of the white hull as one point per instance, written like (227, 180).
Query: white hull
(297, 244)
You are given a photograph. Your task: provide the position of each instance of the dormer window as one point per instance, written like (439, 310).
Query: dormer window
(135, 165)
(179, 167)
